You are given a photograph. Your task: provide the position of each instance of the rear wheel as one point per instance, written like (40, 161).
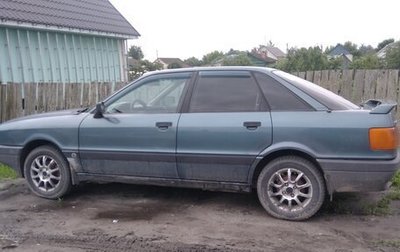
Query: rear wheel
(47, 172)
(291, 188)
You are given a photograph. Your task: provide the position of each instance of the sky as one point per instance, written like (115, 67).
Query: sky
(186, 28)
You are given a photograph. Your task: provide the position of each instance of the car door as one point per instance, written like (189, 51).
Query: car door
(137, 135)
(226, 126)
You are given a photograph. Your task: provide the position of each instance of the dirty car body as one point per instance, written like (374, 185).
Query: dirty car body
(230, 128)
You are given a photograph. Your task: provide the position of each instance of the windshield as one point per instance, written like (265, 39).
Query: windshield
(331, 100)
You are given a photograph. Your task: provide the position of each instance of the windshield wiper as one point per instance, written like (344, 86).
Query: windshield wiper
(117, 110)
(82, 110)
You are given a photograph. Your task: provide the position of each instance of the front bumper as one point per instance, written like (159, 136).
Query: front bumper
(358, 175)
(9, 155)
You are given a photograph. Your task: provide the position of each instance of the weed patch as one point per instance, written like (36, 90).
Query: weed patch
(7, 173)
(396, 180)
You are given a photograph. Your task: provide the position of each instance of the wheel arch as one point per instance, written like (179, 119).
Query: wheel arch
(280, 153)
(31, 145)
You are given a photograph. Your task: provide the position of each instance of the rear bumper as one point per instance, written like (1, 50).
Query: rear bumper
(9, 155)
(358, 175)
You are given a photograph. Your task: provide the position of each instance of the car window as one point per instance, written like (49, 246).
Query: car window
(220, 91)
(160, 95)
(280, 98)
(329, 99)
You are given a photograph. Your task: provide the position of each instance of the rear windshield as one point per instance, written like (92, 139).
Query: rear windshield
(329, 99)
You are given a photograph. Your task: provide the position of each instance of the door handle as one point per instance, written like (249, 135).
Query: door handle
(163, 125)
(252, 125)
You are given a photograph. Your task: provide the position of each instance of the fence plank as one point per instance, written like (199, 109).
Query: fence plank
(334, 81)
(94, 93)
(50, 93)
(105, 90)
(41, 98)
(358, 88)
(370, 84)
(12, 100)
(86, 97)
(73, 95)
(381, 84)
(392, 86)
(324, 78)
(30, 98)
(61, 96)
(346, 84)
(302, 75)
(317, 77)
(310, 76)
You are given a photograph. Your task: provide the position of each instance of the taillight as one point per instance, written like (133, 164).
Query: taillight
(383, 138)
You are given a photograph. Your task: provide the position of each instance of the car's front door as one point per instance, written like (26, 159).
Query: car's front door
(137, 135)
(226, 125)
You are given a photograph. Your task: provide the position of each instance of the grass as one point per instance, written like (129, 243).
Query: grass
(7, 173)
(396, 180)
(387, 243)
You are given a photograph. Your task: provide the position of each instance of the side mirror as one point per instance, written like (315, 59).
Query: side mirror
(99, 110)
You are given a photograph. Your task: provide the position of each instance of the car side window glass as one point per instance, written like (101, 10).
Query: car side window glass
(280, 98)
(226, 92)
(161, 95)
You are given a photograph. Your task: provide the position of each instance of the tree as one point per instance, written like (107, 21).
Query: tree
(369, 61)
(211, 57)
(240, 59)
(304, 59)
(384, 43)
(193, 61)
(136, 52)
(352, 48)
(392, 57)
(142, 67)
(366, 50)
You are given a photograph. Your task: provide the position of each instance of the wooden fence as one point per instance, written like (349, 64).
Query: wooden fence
(358, 85)
(30, 98)
(24, 99)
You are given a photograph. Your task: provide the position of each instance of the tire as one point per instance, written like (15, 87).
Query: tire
(47, 172)
(291, 188)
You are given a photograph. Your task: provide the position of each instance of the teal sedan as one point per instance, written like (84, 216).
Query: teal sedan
(231, 129)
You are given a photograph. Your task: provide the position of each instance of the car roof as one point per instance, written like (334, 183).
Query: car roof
(214, 68)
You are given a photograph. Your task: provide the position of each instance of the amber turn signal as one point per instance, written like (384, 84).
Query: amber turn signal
(383, 138)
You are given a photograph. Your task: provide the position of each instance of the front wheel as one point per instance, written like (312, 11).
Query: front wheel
(47, 172)
(291, 188)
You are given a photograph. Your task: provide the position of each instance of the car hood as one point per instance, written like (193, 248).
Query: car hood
(60, 128)
(54, 114)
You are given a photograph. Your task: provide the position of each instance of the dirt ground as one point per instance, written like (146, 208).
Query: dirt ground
(117, 217)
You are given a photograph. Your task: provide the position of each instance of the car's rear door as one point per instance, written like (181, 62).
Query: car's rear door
(226, 125)
(137, 135)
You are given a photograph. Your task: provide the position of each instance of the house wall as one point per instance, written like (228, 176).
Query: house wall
(33, 56)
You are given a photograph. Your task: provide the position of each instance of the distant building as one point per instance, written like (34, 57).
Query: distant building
(70, 41)
(171, 63)
(339, 51)
(269, 54)
(382, 53)
(258, 60)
